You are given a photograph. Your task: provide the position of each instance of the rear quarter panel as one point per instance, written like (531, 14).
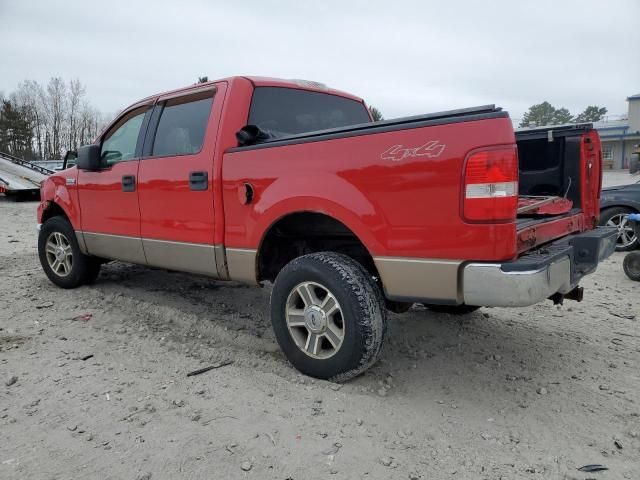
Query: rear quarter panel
(403, 207)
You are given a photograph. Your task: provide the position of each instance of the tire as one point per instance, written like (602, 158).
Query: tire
(616, 217)
(631, 266)
(74, 268)
(328, 315)
(452, 309)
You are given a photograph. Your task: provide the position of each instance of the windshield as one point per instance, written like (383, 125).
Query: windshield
(290, 111)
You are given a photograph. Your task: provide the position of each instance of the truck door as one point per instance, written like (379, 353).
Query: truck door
(109, 209)
(176, 182)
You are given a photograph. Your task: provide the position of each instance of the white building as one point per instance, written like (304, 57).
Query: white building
(620, 138)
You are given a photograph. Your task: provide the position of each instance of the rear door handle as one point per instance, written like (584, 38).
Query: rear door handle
(198, 181)
(128, 183)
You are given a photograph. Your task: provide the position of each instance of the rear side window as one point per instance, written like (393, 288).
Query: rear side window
(289, 111)
(182, 125)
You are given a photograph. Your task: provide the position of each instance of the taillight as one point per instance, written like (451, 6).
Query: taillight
(491, 185)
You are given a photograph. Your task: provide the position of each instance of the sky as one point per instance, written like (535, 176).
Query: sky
(404, 57)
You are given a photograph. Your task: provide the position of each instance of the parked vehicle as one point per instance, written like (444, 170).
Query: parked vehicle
(264, 180)
(616, 203)
(631, 262)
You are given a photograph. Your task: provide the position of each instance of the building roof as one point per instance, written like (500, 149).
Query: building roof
(611, 124)
(634, 97)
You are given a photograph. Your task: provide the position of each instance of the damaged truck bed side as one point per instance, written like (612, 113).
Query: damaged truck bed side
(264, 180)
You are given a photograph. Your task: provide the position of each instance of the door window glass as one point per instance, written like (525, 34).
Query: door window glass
(182, 126)
(119, 144)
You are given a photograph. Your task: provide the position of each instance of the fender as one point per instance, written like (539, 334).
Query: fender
(274, 198)
(300, 193)
(56, 191)
(619, 202)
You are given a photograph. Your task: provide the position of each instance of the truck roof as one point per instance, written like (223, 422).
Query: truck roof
(258, 81)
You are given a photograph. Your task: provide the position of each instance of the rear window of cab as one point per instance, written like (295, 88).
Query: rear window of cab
(290, 111)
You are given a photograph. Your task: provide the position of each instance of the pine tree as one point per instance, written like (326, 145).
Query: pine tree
(16, 134)
(376, 114)
(592, 113)
(540, 114)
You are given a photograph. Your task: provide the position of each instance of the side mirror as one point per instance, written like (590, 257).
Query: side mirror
(69, 159)
(252, 134)
(89, 157)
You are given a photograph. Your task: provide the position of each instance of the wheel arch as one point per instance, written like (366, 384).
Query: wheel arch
(53, 209)
(618, 203)
(308, 231)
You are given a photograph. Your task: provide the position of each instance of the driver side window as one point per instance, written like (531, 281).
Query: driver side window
(119, 144)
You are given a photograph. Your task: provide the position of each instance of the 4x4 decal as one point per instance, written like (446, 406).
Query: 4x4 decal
(432, 149)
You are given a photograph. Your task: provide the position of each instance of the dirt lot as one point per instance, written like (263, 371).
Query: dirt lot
(93, 384)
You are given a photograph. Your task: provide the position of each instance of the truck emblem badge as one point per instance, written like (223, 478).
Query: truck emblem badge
(71, 181)
(432, 149)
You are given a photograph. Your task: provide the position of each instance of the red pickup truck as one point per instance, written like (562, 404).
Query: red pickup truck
(265, 180)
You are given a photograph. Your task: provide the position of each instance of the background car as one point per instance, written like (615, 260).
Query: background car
(616, 203)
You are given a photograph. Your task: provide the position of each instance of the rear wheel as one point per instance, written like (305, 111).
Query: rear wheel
(60, 255)
(328, 315)
(618, 217)
(452, 309)
(631, 266)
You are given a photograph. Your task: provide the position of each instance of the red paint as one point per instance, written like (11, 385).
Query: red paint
(395, 208)
(105, 208)
(169, 210)
(56, 190)
(408, 203)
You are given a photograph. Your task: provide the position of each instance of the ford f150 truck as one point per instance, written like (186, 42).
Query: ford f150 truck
(264, 180)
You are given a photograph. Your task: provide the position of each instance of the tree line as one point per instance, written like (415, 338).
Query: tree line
(42, 122)
(546, 114)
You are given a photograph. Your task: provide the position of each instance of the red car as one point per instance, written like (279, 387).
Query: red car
(263, 180)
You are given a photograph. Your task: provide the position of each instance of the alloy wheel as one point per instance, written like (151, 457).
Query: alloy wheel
(59, 254)
(314, 319)
(626, 232)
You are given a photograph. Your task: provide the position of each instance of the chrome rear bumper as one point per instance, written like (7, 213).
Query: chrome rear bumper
(532, 278)
(489, 286)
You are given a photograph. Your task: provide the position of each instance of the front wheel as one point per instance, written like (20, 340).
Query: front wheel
(328, 315)
(60, 255)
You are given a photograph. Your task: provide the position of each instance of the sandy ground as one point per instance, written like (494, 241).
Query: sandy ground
(93, 384)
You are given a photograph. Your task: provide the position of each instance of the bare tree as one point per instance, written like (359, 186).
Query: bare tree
(28, 98)
(76, 92)
(42, 122)
(55, 104)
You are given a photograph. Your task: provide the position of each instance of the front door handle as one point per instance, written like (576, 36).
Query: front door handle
(128, 183)
(198, 181)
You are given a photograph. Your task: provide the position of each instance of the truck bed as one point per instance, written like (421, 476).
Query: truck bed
(559, 170)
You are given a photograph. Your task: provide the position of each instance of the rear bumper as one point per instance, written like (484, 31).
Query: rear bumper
(534, 277)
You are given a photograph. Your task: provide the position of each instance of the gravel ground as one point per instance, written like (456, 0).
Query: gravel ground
(93, 384)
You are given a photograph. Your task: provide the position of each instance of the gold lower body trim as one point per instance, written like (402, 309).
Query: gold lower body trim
(241, 263)
(181, 256)
(417, 278)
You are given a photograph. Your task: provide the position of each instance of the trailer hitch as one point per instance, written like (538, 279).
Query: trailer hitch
(576, 294)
